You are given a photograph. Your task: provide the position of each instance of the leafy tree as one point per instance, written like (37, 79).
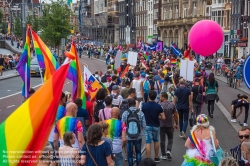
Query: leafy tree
(55, 22)
(4, 28)
(18, 27)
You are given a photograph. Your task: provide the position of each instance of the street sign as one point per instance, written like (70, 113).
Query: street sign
(246, 68)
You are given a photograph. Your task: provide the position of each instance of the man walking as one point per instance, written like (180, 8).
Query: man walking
(135, 122)
(183, 102)
(153, 113)
(166, 126)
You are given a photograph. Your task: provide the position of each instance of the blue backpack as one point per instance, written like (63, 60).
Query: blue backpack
(146, 86)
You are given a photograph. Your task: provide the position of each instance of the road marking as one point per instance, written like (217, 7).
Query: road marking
(8, 90)
(10, 106)
(85, 64)
(17, 93)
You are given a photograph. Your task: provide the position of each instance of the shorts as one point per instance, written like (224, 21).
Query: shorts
(1, 67)
(218, 66)
(152, 133)
(237, 76)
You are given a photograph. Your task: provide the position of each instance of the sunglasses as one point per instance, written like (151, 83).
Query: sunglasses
(245, 136)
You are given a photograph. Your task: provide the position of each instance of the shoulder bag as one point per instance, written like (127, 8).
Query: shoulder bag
(199, 98)
(91, 155)
(218, 154)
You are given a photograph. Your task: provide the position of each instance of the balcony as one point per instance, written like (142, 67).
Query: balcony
(180, 21)
(218, 5)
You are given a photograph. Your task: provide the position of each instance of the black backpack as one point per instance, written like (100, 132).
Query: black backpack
(98, 107)
(124, 106)
(152, 85)
(133, 124)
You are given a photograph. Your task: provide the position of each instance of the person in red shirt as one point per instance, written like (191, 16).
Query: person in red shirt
(89, 108)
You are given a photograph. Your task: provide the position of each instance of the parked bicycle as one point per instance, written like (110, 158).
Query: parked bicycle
(231, 79)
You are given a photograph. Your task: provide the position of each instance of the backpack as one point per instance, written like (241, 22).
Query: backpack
(146, 86)
(133, 124)
(115, 101)
(152, 85)
(124, 106)
(98, 107)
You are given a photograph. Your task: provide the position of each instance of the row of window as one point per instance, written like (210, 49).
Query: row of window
(141, 20)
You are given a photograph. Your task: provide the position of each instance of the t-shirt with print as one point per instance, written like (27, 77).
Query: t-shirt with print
(116, 127)
(151, 112)
(182, 94)
(99, 153)
(66, 124)
(169, 110)
(107, 112)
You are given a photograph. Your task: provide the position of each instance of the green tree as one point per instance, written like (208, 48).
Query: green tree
(4, 28)
(55, 22)
(17, 27)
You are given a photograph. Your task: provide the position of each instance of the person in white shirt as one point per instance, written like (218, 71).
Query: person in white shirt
(137, 84)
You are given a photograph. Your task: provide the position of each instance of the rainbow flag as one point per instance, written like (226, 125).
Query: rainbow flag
(44, 56)
(75, 75)
(23, 66)
(199, 146)
(115, 128)
(32, 123)
(178, 64)
(173, 62)
(144, 64)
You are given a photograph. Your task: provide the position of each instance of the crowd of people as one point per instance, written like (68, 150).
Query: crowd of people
(144, 103)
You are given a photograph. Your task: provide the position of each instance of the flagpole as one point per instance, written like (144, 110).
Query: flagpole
(41, 74)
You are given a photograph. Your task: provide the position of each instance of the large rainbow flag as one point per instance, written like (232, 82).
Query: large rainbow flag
(23, 66)
(25, 132)
(75, 75)
(44, 56)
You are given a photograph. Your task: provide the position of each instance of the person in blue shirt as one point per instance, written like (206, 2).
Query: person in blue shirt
(82, 115)
(237, 73)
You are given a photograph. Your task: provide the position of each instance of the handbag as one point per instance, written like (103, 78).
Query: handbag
(192, 120)
(91, 155)
(200, 97)
(218, 154)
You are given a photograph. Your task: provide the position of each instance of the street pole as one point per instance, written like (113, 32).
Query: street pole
(23, 22)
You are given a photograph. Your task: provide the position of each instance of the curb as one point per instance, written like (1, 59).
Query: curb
(8, 76)
(241, 89)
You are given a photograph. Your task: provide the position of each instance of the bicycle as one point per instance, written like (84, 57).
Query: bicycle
(231, 79)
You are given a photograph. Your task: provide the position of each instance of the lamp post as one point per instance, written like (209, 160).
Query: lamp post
(23, 22)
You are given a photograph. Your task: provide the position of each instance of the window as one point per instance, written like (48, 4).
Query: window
(248, 7)
(176, 12)
(164, 15)
(170, 13)
(226, 38)
(184, 12)
(194, 11)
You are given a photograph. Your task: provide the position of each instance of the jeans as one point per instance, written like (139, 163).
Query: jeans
(107, 61)
(197, 109)
(137, 145)
(118, 159)
(183, 119)
(80, 54)
(170, 133)
(210, 107)
(152, 133)
(145, 97)
(238, 105)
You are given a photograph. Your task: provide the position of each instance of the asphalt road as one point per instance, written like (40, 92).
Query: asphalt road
(227, 135)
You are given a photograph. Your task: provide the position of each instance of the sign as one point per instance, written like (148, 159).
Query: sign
(132, 58)
(118, 58)
(242, 44)
(187, 70)
(246, 68)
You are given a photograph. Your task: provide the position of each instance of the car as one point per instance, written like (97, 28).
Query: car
(34, 68)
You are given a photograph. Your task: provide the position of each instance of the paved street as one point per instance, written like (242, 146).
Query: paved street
(226, 133)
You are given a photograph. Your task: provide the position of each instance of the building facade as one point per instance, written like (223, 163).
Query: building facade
(220, 12)
(127, 21)
(178, 17)
(239, 29)
(141, 20)
(112, 21)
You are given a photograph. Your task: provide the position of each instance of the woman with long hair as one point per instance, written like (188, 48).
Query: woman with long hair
(95, 151)
(199, 143)
(67, 154)
(211, 89)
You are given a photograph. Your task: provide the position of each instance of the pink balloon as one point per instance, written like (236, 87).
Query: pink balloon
(205, 37)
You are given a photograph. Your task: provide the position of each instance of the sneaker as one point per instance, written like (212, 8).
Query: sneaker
(233, 120)
(245, 124)
(180, 135)
(183, 135)
(163, 157)
(157, 160)
(169, 156)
